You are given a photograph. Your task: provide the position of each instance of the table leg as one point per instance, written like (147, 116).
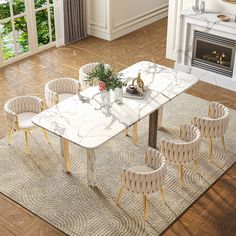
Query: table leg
(65, 154)
(152, 136)
(159, 117)
(91, 167)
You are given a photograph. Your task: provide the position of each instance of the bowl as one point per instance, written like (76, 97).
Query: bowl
(223, 18)
(230, 1)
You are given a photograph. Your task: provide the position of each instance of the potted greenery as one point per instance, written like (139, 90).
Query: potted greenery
(107, 80)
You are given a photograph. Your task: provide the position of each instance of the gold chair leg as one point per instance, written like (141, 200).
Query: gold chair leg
(196, 166)
(144, 207)
(162, 194)
(27, 142)
(210, 149)
(135, 133)
(66, 155)
(9, 136)
(223, 142)
(127, 132)
(119, 195)
(181, 175)
(46, 135)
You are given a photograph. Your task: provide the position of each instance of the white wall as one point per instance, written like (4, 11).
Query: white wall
(175, 8)
(110, 19)
(98, 15)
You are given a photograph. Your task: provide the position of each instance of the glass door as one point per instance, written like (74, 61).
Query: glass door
(13, 29)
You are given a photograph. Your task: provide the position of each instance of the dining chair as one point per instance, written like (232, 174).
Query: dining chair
(18, 113)
(214, 126)
(183, 150)
(83, 73)
(146, 179)
(60, 89)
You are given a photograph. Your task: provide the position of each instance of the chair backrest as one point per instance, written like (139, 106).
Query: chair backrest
(19, 105)
(59, 86)
(147, 182)
(181, 152)
(84, 70)
(216, 124)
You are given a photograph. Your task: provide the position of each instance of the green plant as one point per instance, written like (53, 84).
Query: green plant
(102, 73)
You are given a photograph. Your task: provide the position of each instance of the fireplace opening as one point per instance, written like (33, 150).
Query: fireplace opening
(213, 53)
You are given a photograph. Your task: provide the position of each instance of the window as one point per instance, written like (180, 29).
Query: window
(44, 21)
(26, 26)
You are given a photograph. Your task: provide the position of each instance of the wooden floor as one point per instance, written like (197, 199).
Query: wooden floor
(213, 214)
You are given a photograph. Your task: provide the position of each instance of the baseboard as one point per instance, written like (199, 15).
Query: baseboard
(99, 33)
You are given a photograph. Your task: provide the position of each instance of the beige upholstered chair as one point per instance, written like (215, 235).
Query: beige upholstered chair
(60, 89)
(184, 150)
(145, 179)
(213, 126)
(18, 113)
(83, 73)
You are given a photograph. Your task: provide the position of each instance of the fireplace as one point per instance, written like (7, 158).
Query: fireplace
(213, 53)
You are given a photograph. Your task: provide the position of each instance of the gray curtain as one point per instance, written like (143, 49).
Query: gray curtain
(75, 20)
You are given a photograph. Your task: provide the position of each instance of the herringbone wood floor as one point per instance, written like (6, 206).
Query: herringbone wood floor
(213, 214)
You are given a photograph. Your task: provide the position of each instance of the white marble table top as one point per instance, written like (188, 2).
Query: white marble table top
(161, 79)
(86, 124)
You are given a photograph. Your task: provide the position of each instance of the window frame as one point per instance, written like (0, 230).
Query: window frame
(30, 14)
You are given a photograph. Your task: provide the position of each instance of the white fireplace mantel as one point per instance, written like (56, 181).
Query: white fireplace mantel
(209, 23)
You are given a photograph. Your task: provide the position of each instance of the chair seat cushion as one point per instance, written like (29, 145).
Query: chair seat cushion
(141, 169)
(63, 96)
(24, 120)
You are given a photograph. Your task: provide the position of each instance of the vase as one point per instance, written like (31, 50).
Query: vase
(105, 99)
(195, 6)
(118, 95)
(202, 6)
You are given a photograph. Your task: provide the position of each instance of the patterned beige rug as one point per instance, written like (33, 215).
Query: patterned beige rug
(38, 183)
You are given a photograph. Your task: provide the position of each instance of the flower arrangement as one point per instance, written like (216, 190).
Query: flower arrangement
(106, 77)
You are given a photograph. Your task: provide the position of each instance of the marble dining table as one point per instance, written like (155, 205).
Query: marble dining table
(83, 121)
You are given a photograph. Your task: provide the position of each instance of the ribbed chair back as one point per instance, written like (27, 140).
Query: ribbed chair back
(84, 70)
(59, 86)
(19, 105)
(184, 150)
(18, 113)
(146, 179)
(216, 124)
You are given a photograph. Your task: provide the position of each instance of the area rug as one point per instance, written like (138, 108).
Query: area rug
(68, 203)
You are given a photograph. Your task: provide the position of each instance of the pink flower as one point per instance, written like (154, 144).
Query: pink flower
(102, 85)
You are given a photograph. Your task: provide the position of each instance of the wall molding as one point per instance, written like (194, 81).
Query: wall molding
(140, 18)
(175, 8)
(95, 28)
(135, 26)
(115, 30)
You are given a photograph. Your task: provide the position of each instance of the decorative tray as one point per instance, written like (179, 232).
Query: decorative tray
(223, 18)
(136, 95)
